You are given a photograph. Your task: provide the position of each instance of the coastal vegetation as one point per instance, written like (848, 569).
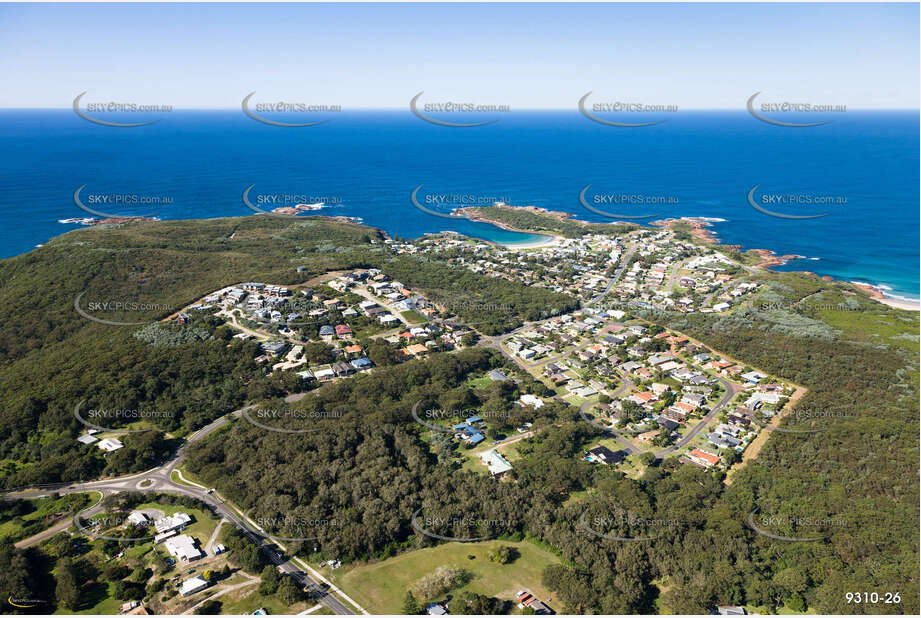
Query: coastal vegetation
(353, 472)
(181, 377)
(526, 220)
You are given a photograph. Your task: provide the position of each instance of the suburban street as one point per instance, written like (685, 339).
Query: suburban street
(160, 480)
(624, 262)
(731, 389)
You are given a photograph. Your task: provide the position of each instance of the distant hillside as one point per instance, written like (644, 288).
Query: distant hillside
(53, 358)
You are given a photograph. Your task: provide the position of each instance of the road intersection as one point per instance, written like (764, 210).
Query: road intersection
(160, 480)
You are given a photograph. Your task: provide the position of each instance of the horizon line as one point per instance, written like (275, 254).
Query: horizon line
(405, 108)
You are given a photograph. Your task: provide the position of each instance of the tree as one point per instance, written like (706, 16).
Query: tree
(290, 592)
(67, 592)
(128, 591)
(411, 606)
(796, 602)
(503, 555)
(155, 586)
(441, 581)
(481, 605)
(270, 580)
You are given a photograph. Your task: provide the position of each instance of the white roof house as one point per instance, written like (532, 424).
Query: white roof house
(191, 586)
(87, 439)
(110, 444)
(531, 400)
(137, 518)
(496, 463)
(753, 376)
(183, 548)
(171, 522)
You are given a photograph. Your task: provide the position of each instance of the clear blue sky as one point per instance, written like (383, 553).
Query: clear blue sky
(522, 55)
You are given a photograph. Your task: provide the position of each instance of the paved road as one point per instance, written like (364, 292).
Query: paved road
(369, 296)
(731, 389)
(626, 383)
(624, 262)
(674, 275)
(227, 313)
(160, 479)
(61, 526)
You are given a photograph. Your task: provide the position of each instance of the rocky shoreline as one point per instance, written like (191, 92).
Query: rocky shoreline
(700, 230)
(472, 213)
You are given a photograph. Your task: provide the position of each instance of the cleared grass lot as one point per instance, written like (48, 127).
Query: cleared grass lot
(381, 586)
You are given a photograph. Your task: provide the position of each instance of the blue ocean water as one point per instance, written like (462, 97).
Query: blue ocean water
(703, 163)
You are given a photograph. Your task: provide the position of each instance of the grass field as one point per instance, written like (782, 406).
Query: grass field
(413, 317)
(380, 587)
(200, 529)
(16, 528)
(107, 603)
(479, 383)
(248, 599)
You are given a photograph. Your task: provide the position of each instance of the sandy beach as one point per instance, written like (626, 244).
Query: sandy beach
(876, 293)
(548, 241)
(900, 304)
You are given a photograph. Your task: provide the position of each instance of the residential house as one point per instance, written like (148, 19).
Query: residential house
(531, 400)
(182, 548)
(703, 458)
(604, 455)
(110, 444)
(191, 586)
(495, 462)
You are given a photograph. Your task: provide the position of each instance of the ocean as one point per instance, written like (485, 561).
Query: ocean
(366, 164)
